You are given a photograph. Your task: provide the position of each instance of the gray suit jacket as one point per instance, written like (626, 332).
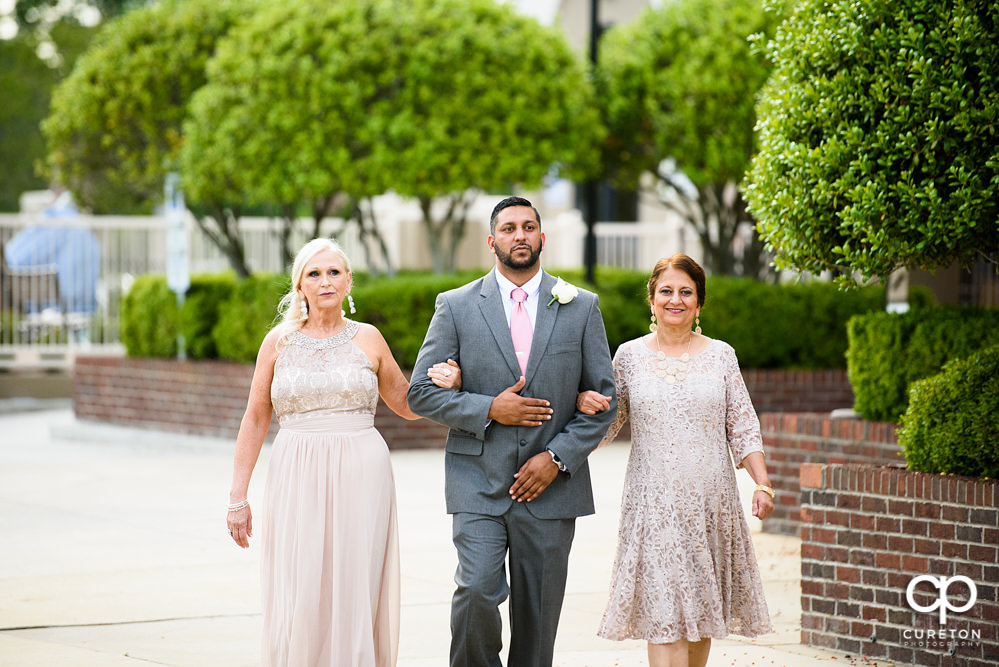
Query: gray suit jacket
(569, 353)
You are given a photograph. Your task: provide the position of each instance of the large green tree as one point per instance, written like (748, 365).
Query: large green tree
(492, 98)
(27, 82)
(312, 100)
(115, 126)
(677, 86)
(879, 145)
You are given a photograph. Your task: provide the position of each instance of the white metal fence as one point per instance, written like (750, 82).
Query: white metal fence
(61, 295)
(61, 291)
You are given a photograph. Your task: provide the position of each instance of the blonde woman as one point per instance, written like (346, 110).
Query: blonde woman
(329, 546)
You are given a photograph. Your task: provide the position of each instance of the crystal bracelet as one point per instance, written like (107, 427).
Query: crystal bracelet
(235, 507)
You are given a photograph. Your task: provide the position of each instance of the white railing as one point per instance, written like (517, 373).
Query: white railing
(61, 292)
(67, 298)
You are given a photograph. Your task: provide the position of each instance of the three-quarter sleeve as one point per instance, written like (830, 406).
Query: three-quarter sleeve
(742, 425)
(621, 388)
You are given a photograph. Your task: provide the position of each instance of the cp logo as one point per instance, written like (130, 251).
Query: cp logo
(943, 603)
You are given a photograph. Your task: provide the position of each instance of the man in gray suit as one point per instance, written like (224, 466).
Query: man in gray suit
(516, 475)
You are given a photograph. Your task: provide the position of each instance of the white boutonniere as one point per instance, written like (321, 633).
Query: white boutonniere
(563, 292)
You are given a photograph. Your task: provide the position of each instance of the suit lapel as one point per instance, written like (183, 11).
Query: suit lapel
(491, 305)
(544, 324)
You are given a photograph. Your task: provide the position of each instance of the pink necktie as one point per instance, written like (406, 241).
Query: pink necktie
(520, 329)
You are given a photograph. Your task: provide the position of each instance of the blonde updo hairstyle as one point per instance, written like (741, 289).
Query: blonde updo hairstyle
(683, 263)
(290, 307)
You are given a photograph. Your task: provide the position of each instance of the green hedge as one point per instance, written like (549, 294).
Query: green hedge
(247, 315)
(950, 425)
(887, 352)
(149, 319)
(401, 308)
(787, 326)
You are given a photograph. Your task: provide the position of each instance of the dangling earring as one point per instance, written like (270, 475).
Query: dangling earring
(697, 324)
(655, 325)
(350, 302)
(304, 310)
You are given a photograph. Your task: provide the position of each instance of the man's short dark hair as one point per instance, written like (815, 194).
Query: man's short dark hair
(507, 203)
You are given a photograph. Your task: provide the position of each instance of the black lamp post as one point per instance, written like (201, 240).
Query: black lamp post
(590, 186)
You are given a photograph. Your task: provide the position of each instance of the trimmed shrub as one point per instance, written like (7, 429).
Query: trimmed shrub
(249, 313)
(149, 318)
(950, 426)
(770, 326)
(200, 314)
(784, 326)
(623, 301)
(887, 352)
(401, 308)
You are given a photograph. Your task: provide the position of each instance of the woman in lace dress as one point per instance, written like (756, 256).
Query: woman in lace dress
(329, 549)
(685, 571)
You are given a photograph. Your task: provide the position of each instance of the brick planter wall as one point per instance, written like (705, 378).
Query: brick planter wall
(198, 397)
(209, 397)
(798, 391)
(203, 397)
(793, 439)
(866, 532)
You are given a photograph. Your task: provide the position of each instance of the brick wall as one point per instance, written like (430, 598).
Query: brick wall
(209, 397)
(798, 390)
(203, 398)
(866, 532)
(793, 439)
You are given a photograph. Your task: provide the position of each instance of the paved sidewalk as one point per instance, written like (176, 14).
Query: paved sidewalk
(113, 551)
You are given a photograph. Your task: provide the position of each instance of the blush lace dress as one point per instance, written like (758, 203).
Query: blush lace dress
(330, 552)
(685, 566)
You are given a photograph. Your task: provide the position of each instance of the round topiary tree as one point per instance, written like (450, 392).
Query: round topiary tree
(677, 87)
(878, 138)
(114, 130)
(428, 98)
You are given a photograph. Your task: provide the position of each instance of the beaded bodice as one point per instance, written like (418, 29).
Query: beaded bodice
(323, 376)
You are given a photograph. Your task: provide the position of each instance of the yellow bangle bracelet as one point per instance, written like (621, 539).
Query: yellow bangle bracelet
(766, 489)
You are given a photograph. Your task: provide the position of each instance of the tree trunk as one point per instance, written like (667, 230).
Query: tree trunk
(716, 213)
(434, 236)
(445, 235)
(288, 222)
(369, 233)
(375, 235)
(223, 230)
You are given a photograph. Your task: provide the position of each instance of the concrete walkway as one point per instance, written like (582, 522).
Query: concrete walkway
(113, 551)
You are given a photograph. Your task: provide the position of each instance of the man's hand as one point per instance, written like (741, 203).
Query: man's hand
(533, 477)
(511, 409)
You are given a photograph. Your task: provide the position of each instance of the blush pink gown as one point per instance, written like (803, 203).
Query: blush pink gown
(330, 551)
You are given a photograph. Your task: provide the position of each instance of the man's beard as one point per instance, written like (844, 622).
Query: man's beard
(519, 265)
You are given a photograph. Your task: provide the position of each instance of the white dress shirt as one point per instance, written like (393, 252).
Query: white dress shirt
(533, 289)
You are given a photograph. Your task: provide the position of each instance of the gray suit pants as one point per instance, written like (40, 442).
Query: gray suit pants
(538, 562)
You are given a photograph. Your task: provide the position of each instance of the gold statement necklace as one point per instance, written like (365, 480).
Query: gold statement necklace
(672, 373)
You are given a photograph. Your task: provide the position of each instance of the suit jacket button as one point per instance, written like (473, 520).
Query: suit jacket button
(523, 443)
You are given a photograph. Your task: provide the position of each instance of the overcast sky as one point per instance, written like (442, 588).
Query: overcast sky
(543, 10)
